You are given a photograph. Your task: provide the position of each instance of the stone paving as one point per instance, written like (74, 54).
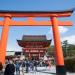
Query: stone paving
(44, 71)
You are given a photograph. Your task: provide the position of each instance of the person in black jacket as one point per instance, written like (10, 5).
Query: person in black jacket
(10, 68)
(1, 68)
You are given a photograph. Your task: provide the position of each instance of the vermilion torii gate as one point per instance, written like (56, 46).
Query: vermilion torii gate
(7, 22)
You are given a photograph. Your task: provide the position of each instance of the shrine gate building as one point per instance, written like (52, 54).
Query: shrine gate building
(34, 46)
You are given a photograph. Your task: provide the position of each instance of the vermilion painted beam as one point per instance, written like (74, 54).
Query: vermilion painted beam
(37, 23)
(35, 14)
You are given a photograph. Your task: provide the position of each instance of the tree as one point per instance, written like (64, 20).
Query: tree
(50, 50)
(71, 50)
(65, 48)
(68, 49)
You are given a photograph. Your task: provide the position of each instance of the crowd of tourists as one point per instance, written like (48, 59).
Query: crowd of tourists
(11, 67)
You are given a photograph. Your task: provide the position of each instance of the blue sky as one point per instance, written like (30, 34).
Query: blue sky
(66, 33)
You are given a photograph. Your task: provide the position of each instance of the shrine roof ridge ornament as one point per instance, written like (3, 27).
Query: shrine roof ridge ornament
(59, 13)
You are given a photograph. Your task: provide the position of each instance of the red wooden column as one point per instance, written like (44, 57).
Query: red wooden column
(4, 37)
(29, 55)
(60, 69)
(39, 55)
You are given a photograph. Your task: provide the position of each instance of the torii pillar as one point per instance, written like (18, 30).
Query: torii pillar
(60, 68)
(4, 37)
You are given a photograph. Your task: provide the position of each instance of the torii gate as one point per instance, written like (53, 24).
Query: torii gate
(7, 22)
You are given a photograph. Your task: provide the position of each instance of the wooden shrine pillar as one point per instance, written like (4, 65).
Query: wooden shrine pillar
(4, 37)
(60, 69)
(39, 55)
(29, 55)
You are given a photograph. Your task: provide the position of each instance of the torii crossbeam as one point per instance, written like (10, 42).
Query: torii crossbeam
(53, 15)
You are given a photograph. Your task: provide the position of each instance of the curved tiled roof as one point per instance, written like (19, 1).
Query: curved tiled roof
(34, 38)
(31, 39)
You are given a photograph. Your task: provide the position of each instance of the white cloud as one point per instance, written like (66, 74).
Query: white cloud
(62, 30)
(71, 39)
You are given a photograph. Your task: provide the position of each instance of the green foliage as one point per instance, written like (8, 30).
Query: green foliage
(68, 49)
(64, 47)
(53, 62)
(71, 50)
(70, 64)
(50, 51)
